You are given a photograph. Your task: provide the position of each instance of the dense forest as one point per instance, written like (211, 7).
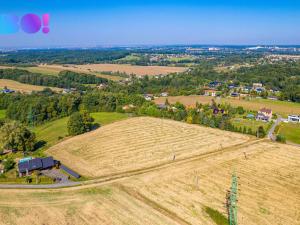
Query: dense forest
(40, 107)
(62, 56)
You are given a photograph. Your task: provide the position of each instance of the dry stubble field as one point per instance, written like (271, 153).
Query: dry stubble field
(269, 178)
(130, 69)
(24, 88)
(139, 143)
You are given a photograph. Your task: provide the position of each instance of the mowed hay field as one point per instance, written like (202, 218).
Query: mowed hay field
(138, 143)
(281, 107)
(97, 205)
(269, 185)
(24, 88)
(269, 192)
(130, 69)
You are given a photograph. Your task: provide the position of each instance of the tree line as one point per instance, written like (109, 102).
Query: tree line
(65, 79)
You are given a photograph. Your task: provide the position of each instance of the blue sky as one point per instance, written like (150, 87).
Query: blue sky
(130, 22)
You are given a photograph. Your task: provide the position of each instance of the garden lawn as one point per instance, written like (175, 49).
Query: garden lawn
(290, 131)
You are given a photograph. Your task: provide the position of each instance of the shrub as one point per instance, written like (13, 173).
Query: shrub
(280, 138)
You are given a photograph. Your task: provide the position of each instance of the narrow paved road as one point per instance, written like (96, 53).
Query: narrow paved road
(272, 130)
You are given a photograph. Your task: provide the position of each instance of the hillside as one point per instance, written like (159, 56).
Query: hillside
(138, 143)
(170, 192)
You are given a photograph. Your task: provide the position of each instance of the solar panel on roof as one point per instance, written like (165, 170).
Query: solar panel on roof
(69, 171)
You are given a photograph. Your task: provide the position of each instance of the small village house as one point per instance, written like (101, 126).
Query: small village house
(294, 119)
(209, 92)
(149, 97)
(164, 94)
(264, 115)
(257, 85)
(27, 166)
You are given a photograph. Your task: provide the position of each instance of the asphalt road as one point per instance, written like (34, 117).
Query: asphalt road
(42, 186)
(272, 130)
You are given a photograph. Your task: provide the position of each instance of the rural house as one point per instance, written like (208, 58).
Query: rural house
(293, 119)
(148, 97)
(28, 165)
(212, 93)
(264, 115)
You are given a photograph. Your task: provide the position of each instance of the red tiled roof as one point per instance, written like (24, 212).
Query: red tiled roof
(265, 110)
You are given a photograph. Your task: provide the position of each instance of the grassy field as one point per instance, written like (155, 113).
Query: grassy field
(24, 88)
(185, 191)
(56, 130)
(253, 124)
(281, 107)
(104, 118)
(2, 114)
(137, 143)
(290, 131)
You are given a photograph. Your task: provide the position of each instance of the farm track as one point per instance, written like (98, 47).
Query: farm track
(112, 178)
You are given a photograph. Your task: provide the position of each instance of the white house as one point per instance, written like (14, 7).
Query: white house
(294, 119)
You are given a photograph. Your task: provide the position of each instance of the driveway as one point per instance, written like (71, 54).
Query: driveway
(272, 130)
(57, 175)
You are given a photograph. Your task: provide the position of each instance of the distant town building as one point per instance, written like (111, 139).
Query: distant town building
(235, 94)
(215, 84)
(102, 86)
(212, 93)
(161, 106)
(149, 97)
(257, 85)
(164, 94)
(7, 91)
(273, 98)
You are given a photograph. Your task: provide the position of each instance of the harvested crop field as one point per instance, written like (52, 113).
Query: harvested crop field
(139, 143)
(269, 179)
(24, 88)
(177, 193)
(130, 69)
(281, 107)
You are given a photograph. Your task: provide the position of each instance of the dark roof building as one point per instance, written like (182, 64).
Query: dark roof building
(36, 164)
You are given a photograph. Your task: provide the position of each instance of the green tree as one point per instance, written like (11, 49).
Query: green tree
(16, 136)
(8, 164)
(261, 133)
(79, 123)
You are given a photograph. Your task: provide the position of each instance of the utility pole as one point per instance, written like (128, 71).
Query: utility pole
(232, 196)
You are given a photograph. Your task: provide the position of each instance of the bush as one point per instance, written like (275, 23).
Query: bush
(8, 164)
(280, 138)
(261, 133)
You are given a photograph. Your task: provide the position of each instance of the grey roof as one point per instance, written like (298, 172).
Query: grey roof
(36, 164)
